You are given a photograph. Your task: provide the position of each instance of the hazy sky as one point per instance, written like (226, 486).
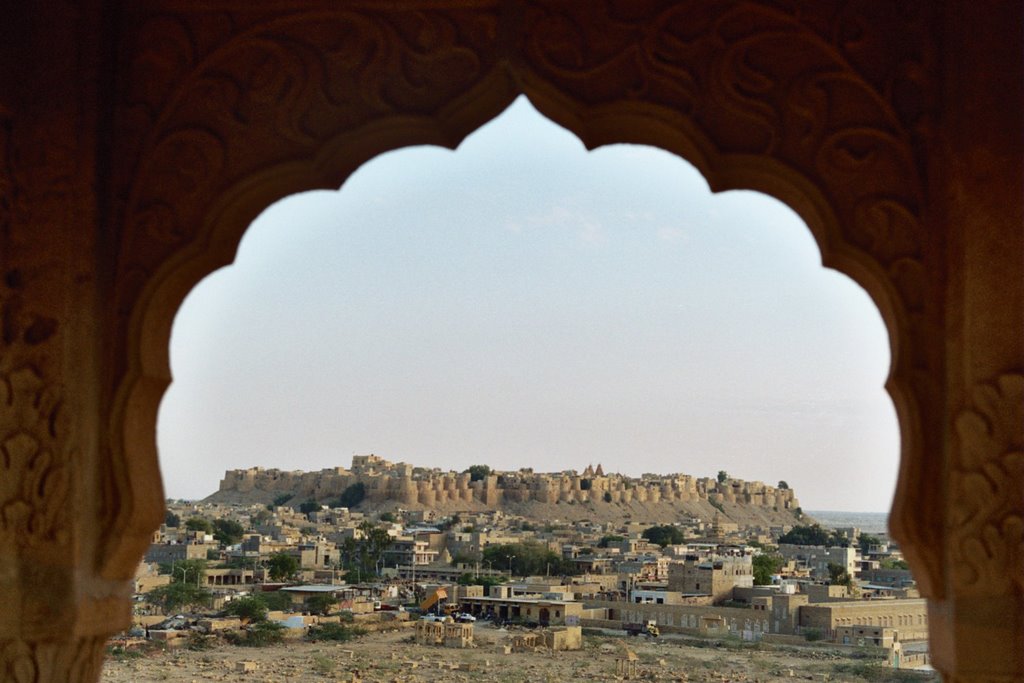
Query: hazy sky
(525, 303)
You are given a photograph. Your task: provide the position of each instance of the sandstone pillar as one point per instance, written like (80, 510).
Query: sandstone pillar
(976, 621)
(74, 512)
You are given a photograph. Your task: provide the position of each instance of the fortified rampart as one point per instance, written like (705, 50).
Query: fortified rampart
(410, 486)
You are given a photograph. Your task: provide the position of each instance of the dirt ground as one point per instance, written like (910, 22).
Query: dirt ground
(392, 657)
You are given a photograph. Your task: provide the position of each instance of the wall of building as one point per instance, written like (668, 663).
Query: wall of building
(910, 617)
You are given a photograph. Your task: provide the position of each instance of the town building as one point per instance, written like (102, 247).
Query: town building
(716, 576)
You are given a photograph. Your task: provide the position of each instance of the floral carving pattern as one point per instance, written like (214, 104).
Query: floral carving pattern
(758, 80)
(33, 484)
(33, 481)
(28, 662)
(987, 516)
(216, 103)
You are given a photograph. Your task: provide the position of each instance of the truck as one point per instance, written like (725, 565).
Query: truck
(648, 628)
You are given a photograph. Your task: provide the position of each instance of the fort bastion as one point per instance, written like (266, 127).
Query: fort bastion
(418, 487)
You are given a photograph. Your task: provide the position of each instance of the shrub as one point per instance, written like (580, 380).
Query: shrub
(276, 600)
(351, 496)
(332, 631)
(120, 653)
(321, 604)
(812, 634)
(259, 634)
(478, 472)
(322, 664)
(880, 673)
(198, 641)
(252, 609)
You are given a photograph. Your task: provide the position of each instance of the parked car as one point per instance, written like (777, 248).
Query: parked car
(465, 618)
(433, 617)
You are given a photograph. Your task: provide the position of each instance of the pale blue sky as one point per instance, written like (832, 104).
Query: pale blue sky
(522, 302)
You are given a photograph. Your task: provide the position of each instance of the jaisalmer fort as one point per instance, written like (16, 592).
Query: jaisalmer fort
(419, 488)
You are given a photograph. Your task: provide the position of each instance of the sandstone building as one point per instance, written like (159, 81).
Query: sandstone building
(714, 576)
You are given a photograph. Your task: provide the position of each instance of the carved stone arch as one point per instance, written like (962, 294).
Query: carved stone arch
(232, 111)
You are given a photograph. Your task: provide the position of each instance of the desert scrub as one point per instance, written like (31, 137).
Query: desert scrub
(879, 673)
(197, 641)
(261, 634)
(332, 631)
(119, 653)
(323, 665)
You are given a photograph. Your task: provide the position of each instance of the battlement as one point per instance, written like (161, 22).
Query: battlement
(416, 486)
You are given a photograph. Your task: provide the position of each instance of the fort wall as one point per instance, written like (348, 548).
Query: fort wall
(433, 488)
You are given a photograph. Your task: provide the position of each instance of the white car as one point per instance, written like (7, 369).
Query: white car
(465, 618)
(433, 617)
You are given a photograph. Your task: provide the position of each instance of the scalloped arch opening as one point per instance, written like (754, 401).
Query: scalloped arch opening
(586, 227)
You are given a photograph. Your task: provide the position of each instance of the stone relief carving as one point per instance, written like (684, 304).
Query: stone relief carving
(986, 523)
(760, 81)
(24, 662)
(35, 477)
(215, 103)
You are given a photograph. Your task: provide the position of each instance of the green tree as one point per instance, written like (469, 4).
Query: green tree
(260, 517)
(251, 608)
(464, 557)
(609, 539)
(175, 596)
(387, 517)
(865, 541)
(893, 563)
(187, 571)
(282, 499)
(279, 601)
(664, 535)
(259, 634)
(352, 496)
(783, 485)
(478, 472)
(228, 531)
(372, 545)
(321, 604)
(171, 520)
(764, 567)
(199, 524)
(282, 566)
(838, 575)
(723, 476)
(814, 535)
(468, 579)
(528, 557)
(309, 506)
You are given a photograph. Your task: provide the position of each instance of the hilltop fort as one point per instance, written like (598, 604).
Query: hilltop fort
(525, 492)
